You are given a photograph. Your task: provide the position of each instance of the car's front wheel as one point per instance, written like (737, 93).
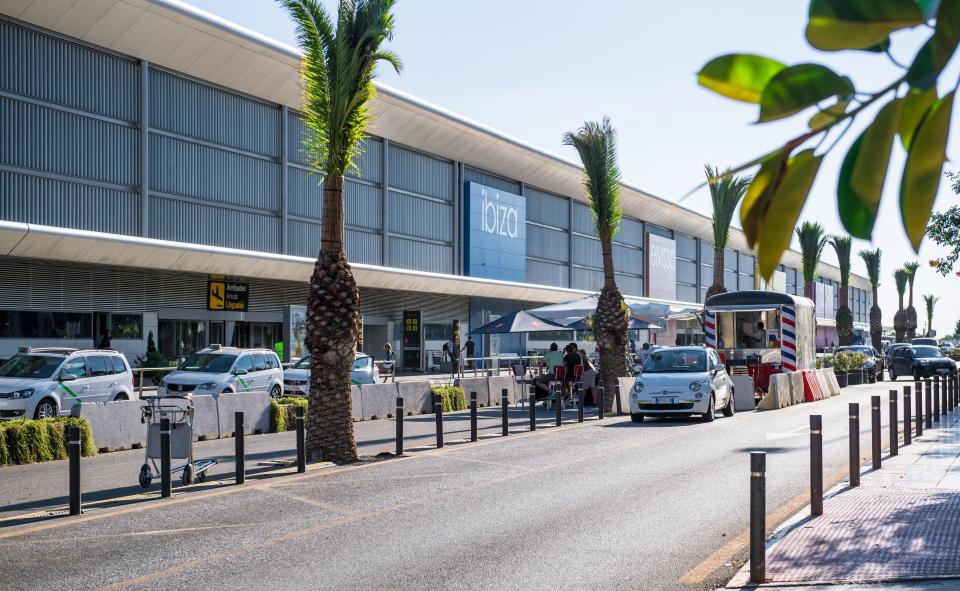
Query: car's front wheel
(728, 410)
(276, 392)
(46, 409)
(711, 414)
(893, 375)
(636, 417)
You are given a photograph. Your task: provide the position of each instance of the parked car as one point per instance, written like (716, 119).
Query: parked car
(888, 354)
(44, 383)
(920, 361)
(874, 365)
(225, 370)
(682, 381)
(947, 346)
(296, 378)
(925, 341)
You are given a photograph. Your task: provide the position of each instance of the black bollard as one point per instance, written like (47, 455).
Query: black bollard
(165, 457)
(816, 465)
(617, 400)
(75, 449)
(438, 413)
(942, 386)
(918, 403)
(854, 412)
(907, 419)
(504, 413)
(238, 450)
(579, 403)
(533, 412)
(558, 403)
(473, 416)
(875, 429)
(399, 417)
(894, 424)
(758, 515)
(301, 441)
(601, 399)
(936, 399)
(927, 402)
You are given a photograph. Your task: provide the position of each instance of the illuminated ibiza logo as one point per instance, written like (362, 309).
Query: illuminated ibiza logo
(499, 219)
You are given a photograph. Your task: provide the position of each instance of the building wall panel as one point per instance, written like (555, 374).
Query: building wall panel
(38, 200)
(364, 247)
(214, 226)
(627, 260)
(547, 243)
(52, 69)
(54, 141)
(546, 273)
(303, 238)
(588, 279)
(582, 221)
(630, 285)
(362, 205)
(187, 107)
(304, 193)
(417, 173)
(547, 208)
(631, 232)
(491, 180)
(370, 161)
(422, 218)
(296, 139)
(184, 168)
(421, 256)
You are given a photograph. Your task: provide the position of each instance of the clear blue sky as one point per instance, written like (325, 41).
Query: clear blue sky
(536, 68)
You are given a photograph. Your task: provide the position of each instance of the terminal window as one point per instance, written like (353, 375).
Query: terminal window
(126, 326)
(28, 324)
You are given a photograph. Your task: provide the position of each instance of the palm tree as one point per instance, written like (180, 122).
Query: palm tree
(871, 258)
(813, 239)
(911, 269)
(597, 145)
(842, 246)
(337, 70)
(930, 301)
(900, 276)
(726, 191)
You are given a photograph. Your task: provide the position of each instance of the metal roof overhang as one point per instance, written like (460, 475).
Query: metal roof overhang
(61, 244)
(181, 37)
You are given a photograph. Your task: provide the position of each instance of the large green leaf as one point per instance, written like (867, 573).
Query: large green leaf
(937, 51)
(829, 114)
(739, 76)
(784, 209)
(863, 172)
(929, 8)
(923, 170)
(795, 88)
(858, 24)
(915, 104)
(758, 195)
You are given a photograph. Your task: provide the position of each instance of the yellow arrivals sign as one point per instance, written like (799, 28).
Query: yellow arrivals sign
(227, 296)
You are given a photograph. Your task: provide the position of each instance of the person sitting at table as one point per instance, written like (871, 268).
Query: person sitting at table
(571, 360)
(589, 378)
(551, 359)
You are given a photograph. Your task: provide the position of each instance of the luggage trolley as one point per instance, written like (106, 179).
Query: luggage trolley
(180, 414)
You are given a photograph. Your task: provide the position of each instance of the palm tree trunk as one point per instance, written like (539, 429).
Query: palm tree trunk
(610, 328)
(876, 322)
(718, 285)
(844, 318)
(332, 325)
(808, 290)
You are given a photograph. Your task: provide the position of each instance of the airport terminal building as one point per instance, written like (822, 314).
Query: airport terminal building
(152, 180)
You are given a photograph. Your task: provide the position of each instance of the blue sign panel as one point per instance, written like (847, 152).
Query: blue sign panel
(495, 245)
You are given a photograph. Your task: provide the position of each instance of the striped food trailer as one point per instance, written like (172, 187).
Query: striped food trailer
(761, 333)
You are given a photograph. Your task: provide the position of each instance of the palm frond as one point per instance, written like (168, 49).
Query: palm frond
(813, 240)
(726, 191)
(337, 74)
(930, 301)
(843, 246)
(871, 258)
(596, 143)
(900, 277)
(911, 269)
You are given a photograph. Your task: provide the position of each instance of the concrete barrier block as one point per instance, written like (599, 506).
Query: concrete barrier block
(255, 407)
(780, 392)
(743, 389)
(115, 425)
(378, 400)
(626, 384)
(478, 385)
(496, 384)
(356, 402)
(831, 380)
(796, 387)
(416, 397)
(206, 417)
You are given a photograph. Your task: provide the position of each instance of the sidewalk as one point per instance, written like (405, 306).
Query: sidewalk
(899, 530)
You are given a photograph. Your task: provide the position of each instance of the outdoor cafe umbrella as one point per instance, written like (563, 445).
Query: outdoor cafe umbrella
(635, 324)
(586, 306)
(518, 321)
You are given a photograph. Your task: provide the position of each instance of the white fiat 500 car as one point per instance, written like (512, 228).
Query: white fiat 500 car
(296, 378)
(682, 381)
(225, 370)
(43, 383)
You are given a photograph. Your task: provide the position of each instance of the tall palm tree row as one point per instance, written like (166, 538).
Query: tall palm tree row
(911, 269)
(337, 71)
(930, 301)
(813, 239)
(726, 191)
(871, 258)
(596, 143)
(842, 246)
(900, 276)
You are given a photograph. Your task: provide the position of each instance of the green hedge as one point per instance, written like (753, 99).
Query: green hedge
(283, 413)
(25, 441)
(452, 396)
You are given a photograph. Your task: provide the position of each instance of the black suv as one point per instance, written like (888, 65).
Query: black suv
(920, 361)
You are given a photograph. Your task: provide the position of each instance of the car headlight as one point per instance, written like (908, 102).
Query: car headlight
(638, 387)
(924, 362)
(207, 386)
(25, 393)
(695, 386)
(163, 383)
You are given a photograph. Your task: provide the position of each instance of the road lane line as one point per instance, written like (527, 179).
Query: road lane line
(308, 501)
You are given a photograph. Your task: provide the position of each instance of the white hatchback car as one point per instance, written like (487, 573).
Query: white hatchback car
(296, 378)
(225, 370)
(44, 383)
(682, 381)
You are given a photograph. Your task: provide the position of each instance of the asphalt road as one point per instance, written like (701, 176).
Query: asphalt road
(609, 505)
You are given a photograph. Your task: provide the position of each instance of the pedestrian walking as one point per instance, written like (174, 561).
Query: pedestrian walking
(105, 340)
(471, 349)
(389, 362)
